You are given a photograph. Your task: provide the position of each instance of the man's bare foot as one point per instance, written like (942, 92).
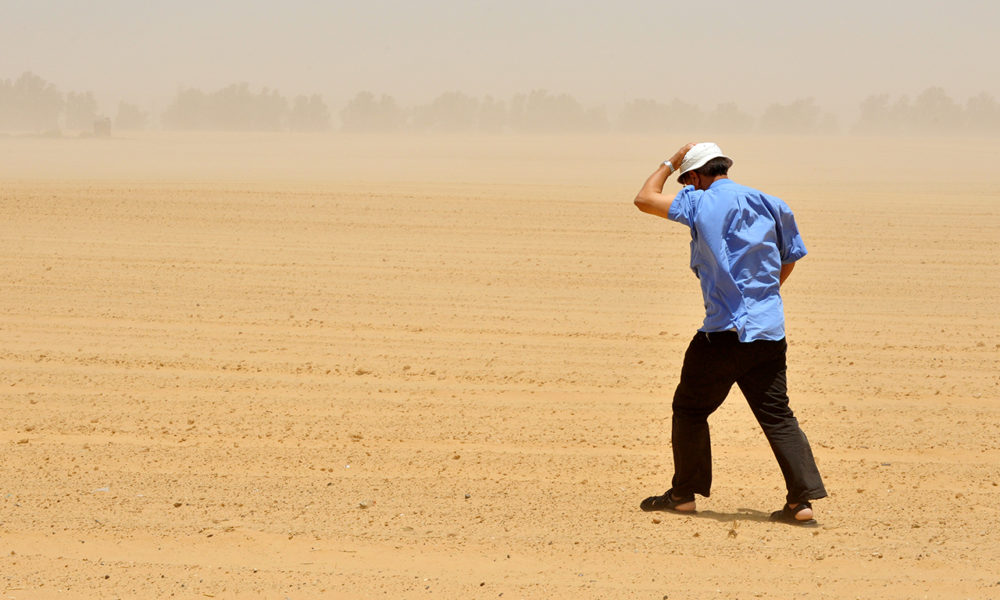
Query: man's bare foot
(800, 514)
(803, 515)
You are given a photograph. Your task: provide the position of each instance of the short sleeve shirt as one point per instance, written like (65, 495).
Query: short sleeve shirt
(740, 237)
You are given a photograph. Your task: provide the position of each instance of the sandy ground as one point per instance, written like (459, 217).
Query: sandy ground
(255, 366)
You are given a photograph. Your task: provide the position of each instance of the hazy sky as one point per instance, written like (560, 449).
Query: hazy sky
(606, 52)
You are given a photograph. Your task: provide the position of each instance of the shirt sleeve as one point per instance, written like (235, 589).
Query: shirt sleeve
(792, 247)
(682, 208)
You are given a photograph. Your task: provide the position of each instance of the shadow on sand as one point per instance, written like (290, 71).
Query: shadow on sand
(741, 514)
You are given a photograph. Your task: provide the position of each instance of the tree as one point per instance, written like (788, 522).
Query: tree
(81, 111)
(189, 110)
(232, 108)
(935, 112)
(982, 114)
(309, 114)
(236, 108)
(798, 117)
(728, 118)
(30, 103)
(877, 116)
(364, 114)
(540, 111)
(451, 111)
(901, 114)
(932, 112)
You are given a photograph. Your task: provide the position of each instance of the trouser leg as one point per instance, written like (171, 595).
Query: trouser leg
(705, 382)
(766, 390)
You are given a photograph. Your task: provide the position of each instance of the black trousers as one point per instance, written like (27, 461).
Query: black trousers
(712, 364)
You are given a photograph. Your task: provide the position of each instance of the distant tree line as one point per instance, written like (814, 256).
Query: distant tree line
(931, 112)
(238, 108)
(30, 103)
(541, 111)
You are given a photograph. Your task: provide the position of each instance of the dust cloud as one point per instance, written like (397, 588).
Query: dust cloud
(552, 67)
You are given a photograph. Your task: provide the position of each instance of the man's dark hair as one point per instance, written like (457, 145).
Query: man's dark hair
(717, 166)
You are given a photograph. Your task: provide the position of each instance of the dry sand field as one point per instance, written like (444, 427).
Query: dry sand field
(275, 366)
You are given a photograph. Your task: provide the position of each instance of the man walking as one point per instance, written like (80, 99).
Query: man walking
(744, 244)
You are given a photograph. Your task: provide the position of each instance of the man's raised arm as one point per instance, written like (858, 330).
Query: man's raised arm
(651, 198)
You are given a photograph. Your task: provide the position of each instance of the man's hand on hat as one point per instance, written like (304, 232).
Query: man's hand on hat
(678, 157)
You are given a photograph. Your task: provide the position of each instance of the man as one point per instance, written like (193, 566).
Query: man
(744, 244)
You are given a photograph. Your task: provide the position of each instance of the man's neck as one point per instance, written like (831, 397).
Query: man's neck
(708, 182)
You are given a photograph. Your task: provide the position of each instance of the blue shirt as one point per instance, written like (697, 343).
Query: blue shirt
(740, 237)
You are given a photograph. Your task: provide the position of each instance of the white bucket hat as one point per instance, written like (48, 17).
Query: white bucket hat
(698, 155)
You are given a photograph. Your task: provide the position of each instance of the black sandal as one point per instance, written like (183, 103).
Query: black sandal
(787, 515)
(666, 502)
